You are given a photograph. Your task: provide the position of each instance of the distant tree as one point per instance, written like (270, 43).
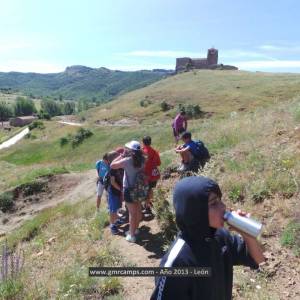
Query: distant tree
(51, 107)
(69, 108)
(84, 104)
(24, 107)
(60, 97)
(164, 106)
(5, 112)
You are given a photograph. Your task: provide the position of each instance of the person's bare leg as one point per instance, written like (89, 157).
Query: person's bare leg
(98, 202)
(139, 215)
(186, 157)
(113, 218)
(149, 198)
(132, 218)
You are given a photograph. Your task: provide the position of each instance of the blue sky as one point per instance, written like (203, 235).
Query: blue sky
(46, 36)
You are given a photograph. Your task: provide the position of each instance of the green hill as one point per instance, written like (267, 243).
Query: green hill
(252, 132)
(80, 82)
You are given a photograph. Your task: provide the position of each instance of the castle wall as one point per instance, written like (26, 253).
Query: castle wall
(200, 63)
(182, 63)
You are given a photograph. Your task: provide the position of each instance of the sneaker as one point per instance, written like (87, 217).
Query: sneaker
(120, 222)
(148, 212)
(114, 230)
(183, 168)
(137, 231)
(130, 238)
(120, 212)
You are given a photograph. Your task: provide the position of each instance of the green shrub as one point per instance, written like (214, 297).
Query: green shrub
(11, 289)
(193, 111)
(236, 193)
(281, 182)
(145, 102)
(34, 187)
(260, 195)
(63, 141)
(36, 124)
(80, 136)
(165, 106)
(44, 115)
(31, 136)
(110, 286)
(6, 201)
(259, 191)
(165, 217)
(291, 237)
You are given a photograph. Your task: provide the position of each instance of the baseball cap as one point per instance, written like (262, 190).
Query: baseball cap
(133, 145)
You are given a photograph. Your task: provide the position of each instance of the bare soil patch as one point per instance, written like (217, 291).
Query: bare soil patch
(121, 122)
(46, 192)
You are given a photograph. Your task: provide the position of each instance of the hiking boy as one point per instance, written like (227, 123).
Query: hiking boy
(179, 125)
(151, 170)
(102, 167)
(187, 152)
(204, 242)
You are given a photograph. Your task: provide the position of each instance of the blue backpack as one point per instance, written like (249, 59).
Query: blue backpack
(201, 152)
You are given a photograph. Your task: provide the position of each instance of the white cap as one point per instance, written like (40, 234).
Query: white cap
(133, 145)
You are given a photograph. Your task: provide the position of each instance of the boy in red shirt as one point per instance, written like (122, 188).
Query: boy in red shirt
(151, 170)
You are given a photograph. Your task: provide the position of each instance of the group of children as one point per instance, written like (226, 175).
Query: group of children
(117, 173)
(202, 240)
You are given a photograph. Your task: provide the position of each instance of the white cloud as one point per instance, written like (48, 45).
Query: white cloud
(277, 48)
(237, 53)
(266, 64)
(30, 66)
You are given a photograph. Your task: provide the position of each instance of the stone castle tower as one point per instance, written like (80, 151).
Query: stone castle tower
(212, 56)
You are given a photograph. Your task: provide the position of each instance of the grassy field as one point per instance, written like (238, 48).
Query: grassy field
(254, 139)
(219, 92)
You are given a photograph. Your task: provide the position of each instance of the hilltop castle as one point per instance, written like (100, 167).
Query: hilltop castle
(211, 62)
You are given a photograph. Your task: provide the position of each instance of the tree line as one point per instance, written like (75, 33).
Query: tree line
(49, 108)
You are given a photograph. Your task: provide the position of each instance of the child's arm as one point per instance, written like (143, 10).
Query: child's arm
(182, 149)
(114, 183)
(118, 163)
(253, 247)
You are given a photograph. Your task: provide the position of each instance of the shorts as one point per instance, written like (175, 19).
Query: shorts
(127, 197)
(181, 130)
(152, 184)
(114, 202)
(100, 189)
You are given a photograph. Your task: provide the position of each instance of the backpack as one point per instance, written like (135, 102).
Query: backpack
(140, 189)
(201, 152)
(106, 180)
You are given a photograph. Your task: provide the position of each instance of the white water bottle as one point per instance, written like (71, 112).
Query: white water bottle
(244, 224)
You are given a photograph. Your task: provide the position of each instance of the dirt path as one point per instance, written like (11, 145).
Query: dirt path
(14, 139)
(146, 252)
(68, 188)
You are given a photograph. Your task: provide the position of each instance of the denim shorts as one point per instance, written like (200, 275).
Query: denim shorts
(127, 197)
(114, 202)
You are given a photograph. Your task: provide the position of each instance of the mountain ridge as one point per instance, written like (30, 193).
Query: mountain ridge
(77, 81)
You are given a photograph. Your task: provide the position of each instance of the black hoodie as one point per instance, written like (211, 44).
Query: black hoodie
(199, 245)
